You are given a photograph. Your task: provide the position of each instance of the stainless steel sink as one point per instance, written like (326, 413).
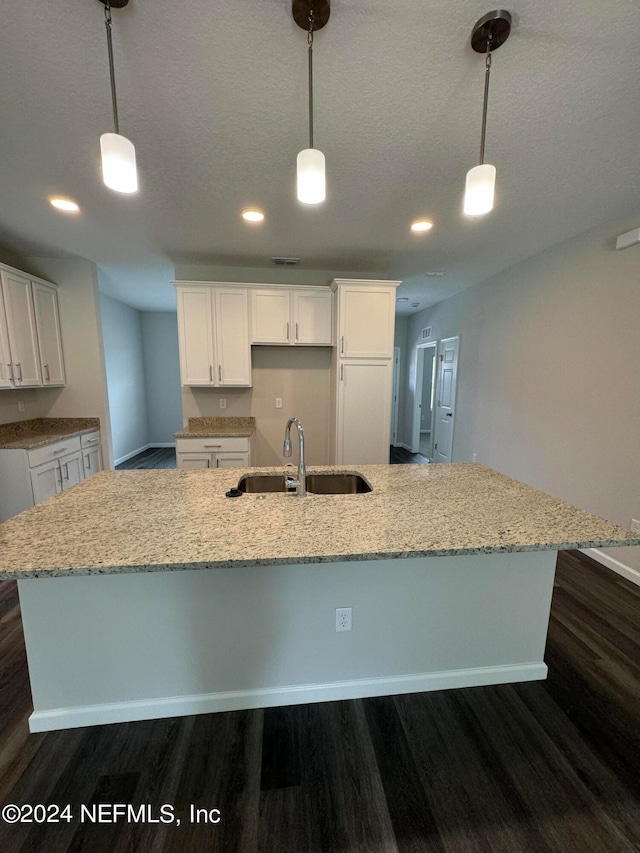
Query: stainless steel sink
(317, 484)
(337, 484)
(257, 484)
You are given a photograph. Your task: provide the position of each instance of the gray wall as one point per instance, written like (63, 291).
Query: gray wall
(161, 375)
(122, 333)
(549, 378)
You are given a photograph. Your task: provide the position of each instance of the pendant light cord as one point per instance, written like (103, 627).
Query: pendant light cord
(107, 23)
(310, 43)
(487, 74)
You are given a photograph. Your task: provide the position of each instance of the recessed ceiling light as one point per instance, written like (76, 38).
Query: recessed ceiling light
(415, 304)
(432, 274)
(65, 204)
(402, 299)
(422, 225)
(252, 214)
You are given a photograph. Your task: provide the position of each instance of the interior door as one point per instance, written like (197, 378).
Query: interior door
(446, 398)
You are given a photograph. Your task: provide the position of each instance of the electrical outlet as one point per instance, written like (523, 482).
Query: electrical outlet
(21, 405)
(223, 403)
(474, 458)
(343, 618)
(278, 402)
(635, 525)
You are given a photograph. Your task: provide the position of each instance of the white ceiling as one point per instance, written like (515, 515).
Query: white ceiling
(213, 95)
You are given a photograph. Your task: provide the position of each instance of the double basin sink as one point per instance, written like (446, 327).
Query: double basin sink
(317, 484)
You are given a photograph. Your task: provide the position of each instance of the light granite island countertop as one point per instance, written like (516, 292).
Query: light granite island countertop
(149, 593)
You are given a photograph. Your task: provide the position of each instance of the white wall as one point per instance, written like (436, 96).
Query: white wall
(122, 331)
(549, 378)
(161, 375)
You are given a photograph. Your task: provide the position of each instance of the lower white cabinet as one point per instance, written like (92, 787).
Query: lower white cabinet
(363, 412)
(212, 452)
(91, 453)
(28, 477)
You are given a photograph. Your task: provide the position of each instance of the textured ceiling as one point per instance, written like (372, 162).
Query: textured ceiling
(213, 94)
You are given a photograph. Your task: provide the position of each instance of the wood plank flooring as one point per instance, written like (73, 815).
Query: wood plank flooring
(546, 767)
(400, 456)
(153, 457)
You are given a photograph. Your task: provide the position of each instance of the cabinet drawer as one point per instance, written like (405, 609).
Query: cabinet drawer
(90, 439)
(211, 444)
(53, 451)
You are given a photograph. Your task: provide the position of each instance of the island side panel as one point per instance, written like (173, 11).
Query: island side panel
(112, 648)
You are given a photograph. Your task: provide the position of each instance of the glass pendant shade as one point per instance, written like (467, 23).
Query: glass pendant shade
(311, 177)
(118, 163)
(479, 189)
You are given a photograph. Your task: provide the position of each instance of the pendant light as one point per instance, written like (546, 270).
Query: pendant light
(311, 15)
(118, 154)
(491, 31)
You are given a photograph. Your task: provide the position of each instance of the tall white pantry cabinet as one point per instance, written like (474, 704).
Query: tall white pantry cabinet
(362, 371)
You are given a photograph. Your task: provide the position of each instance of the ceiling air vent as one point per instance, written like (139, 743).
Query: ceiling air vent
(426, 333)
(285, 262)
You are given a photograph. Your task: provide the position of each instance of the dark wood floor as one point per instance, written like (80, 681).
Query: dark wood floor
(400, 456)
(546, 766)
(154, 457)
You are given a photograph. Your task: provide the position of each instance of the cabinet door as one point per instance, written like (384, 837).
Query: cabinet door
(312, 318)
(6, 367)
(45, 300)
(195, 335)
(232, 337)
(46, 481)
(21, 326)
(193, 460)
(91, 461)
(367, 320)
(232, 460)
(364, 413)
(71, 469)
(270, 317)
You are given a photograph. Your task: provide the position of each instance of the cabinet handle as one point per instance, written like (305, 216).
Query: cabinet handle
(93, 441)
(219, 373)
(48, 376)
(342, 345)
(296, 331)
(58, 452)
(210, 373)
(217, 462)
(19, 365)
(287, 331)
(208, 463)
(212, 446)
(10, 366)
(342, 373)
(66, 468)
(88, 462)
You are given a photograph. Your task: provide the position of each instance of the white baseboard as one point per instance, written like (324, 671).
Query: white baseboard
(131, 455)
(162, 444)
(627, 572)
(208, 703)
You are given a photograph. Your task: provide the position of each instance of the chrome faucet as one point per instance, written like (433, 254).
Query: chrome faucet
(301, 483)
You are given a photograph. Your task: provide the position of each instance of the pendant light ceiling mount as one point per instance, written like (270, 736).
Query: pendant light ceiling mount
(491, 31)
(304, 11)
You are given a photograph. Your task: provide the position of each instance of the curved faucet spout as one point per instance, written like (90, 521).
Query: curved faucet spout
(301, 483)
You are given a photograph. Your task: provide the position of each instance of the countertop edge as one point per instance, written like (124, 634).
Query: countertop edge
(307, 560)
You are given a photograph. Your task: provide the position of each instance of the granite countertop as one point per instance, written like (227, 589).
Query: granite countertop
(145, 521)
(25, 435)
(218, 427)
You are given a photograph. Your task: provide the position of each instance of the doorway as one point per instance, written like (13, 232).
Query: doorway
(424, 400)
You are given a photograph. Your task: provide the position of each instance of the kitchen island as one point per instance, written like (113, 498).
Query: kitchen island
(149, 594)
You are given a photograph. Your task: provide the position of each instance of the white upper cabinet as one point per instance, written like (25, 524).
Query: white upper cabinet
(270, 317)
(292, 316)
(45, 300)
(213, 333)
(366, 319)
(20, 319)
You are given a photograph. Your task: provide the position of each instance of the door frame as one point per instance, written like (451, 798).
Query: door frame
(395, 393)
(417, 396)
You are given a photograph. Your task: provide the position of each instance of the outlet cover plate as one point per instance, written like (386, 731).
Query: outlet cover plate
(343, 618)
